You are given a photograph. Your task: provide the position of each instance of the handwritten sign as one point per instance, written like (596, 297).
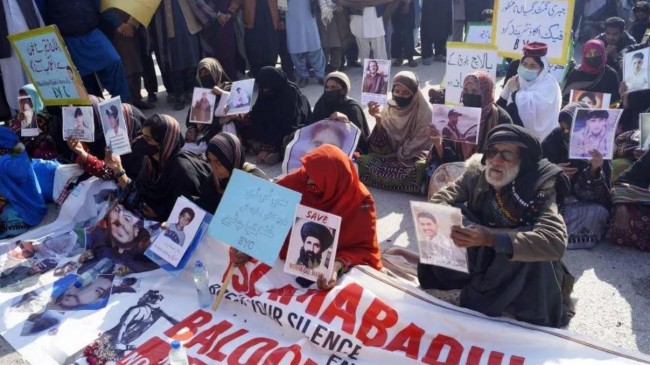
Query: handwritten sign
(463, 59)
(312, 244)
(141, 10)
(517, 22)
(254, 216)
(478, 32)
(47, 63)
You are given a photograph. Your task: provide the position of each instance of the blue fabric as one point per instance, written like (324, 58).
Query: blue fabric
(45, 170)
(36, 99)
(11, 225)
(91, 52)
(18, 183)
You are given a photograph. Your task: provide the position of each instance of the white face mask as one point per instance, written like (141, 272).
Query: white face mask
(527, 74)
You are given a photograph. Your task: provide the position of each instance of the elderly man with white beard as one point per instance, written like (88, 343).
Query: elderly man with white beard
(516, 237)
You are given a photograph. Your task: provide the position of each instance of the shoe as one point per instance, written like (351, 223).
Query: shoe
(427, 61)
(398, 62)
(302, 82)
(355, 64)
(412, 63)
(152, 98)
(170, 98)
(142, 105)
(440, 58)
(416, 53)
(330, 68)
(272, 158)
(312, 72)
(321, 81)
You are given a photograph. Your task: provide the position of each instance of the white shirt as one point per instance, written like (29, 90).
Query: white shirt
(368, 25)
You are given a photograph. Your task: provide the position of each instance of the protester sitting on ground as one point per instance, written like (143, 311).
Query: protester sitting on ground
(615, 39)
(335, 99)
(533, 97)
(280, 109)
(41, 145)
(132, 162)
(631, 212)
(209, 74)
(633, 103)
(517, 237)
(593, 74)
(641, 21)
(400, 141)
(21, 203)
(585, 210)
(225, 153)
(166, 174)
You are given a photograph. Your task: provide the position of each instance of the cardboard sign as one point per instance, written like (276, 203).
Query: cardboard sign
(636, 73)
(459, 124)
(433, 224)
(114, 125)
(254, 216)
(478, 32)
(141, 10)
(517, 22)
(78, 123)
(47, 63)
(593, 129)
(312, 244)
(342, 135)
(463, 59)
(374, 84)
(182, 226)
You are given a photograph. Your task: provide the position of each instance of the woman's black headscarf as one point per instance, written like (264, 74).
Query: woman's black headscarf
(280, 108)
(638, 101)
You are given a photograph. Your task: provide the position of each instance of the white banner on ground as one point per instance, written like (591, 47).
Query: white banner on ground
(368, 318)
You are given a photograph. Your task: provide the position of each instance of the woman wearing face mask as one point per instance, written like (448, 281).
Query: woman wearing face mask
(132, 162)
(585, 210)
(593, 74)
(280, 109)
(335, 101)
(167, 172)
(225, 153)
(533, 97)
(209, 75)
(400, 141)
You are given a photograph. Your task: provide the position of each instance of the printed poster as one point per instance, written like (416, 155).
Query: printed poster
(594, 99)
(342, 135)
(203, 103)
(457, 123)
(376, 77)
(241, 97)
(593, 129)
(178, 232)
(462, 60)
(635, 69)
(433, 224)
(28, 118)
(47, 63)
(114, 125)
(312, 244)
(518, 22)
(78, 123)
(254, 216)
(644, 125)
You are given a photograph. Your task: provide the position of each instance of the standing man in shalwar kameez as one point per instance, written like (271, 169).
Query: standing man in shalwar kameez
(91, 52)
(516, 244)
(16, 16)
(303, 41)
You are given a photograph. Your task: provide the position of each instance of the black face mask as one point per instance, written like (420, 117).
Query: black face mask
(207, 82)
(333, 96)
(151, 150)
(402, 101)
(472, 100)
(593, 61)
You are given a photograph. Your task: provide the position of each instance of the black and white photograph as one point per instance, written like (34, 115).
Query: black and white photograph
(593, 129)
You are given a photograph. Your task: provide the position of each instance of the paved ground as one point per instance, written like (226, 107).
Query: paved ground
(613, 283)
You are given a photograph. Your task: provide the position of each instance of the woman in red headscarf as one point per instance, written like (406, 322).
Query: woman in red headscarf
(328, 181)
(593, 74)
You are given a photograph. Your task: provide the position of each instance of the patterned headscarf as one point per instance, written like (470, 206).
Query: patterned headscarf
(167, 132)
(214, 68)
(227, 148)
(489, 114)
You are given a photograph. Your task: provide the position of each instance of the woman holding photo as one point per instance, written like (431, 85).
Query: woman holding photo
(34, 115)
(593, 74)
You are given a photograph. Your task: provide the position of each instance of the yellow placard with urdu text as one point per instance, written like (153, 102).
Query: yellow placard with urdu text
(141, 10)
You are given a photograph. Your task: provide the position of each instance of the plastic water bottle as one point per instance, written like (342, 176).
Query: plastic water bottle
(177, 354)
(103, 266)
(202, 284)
